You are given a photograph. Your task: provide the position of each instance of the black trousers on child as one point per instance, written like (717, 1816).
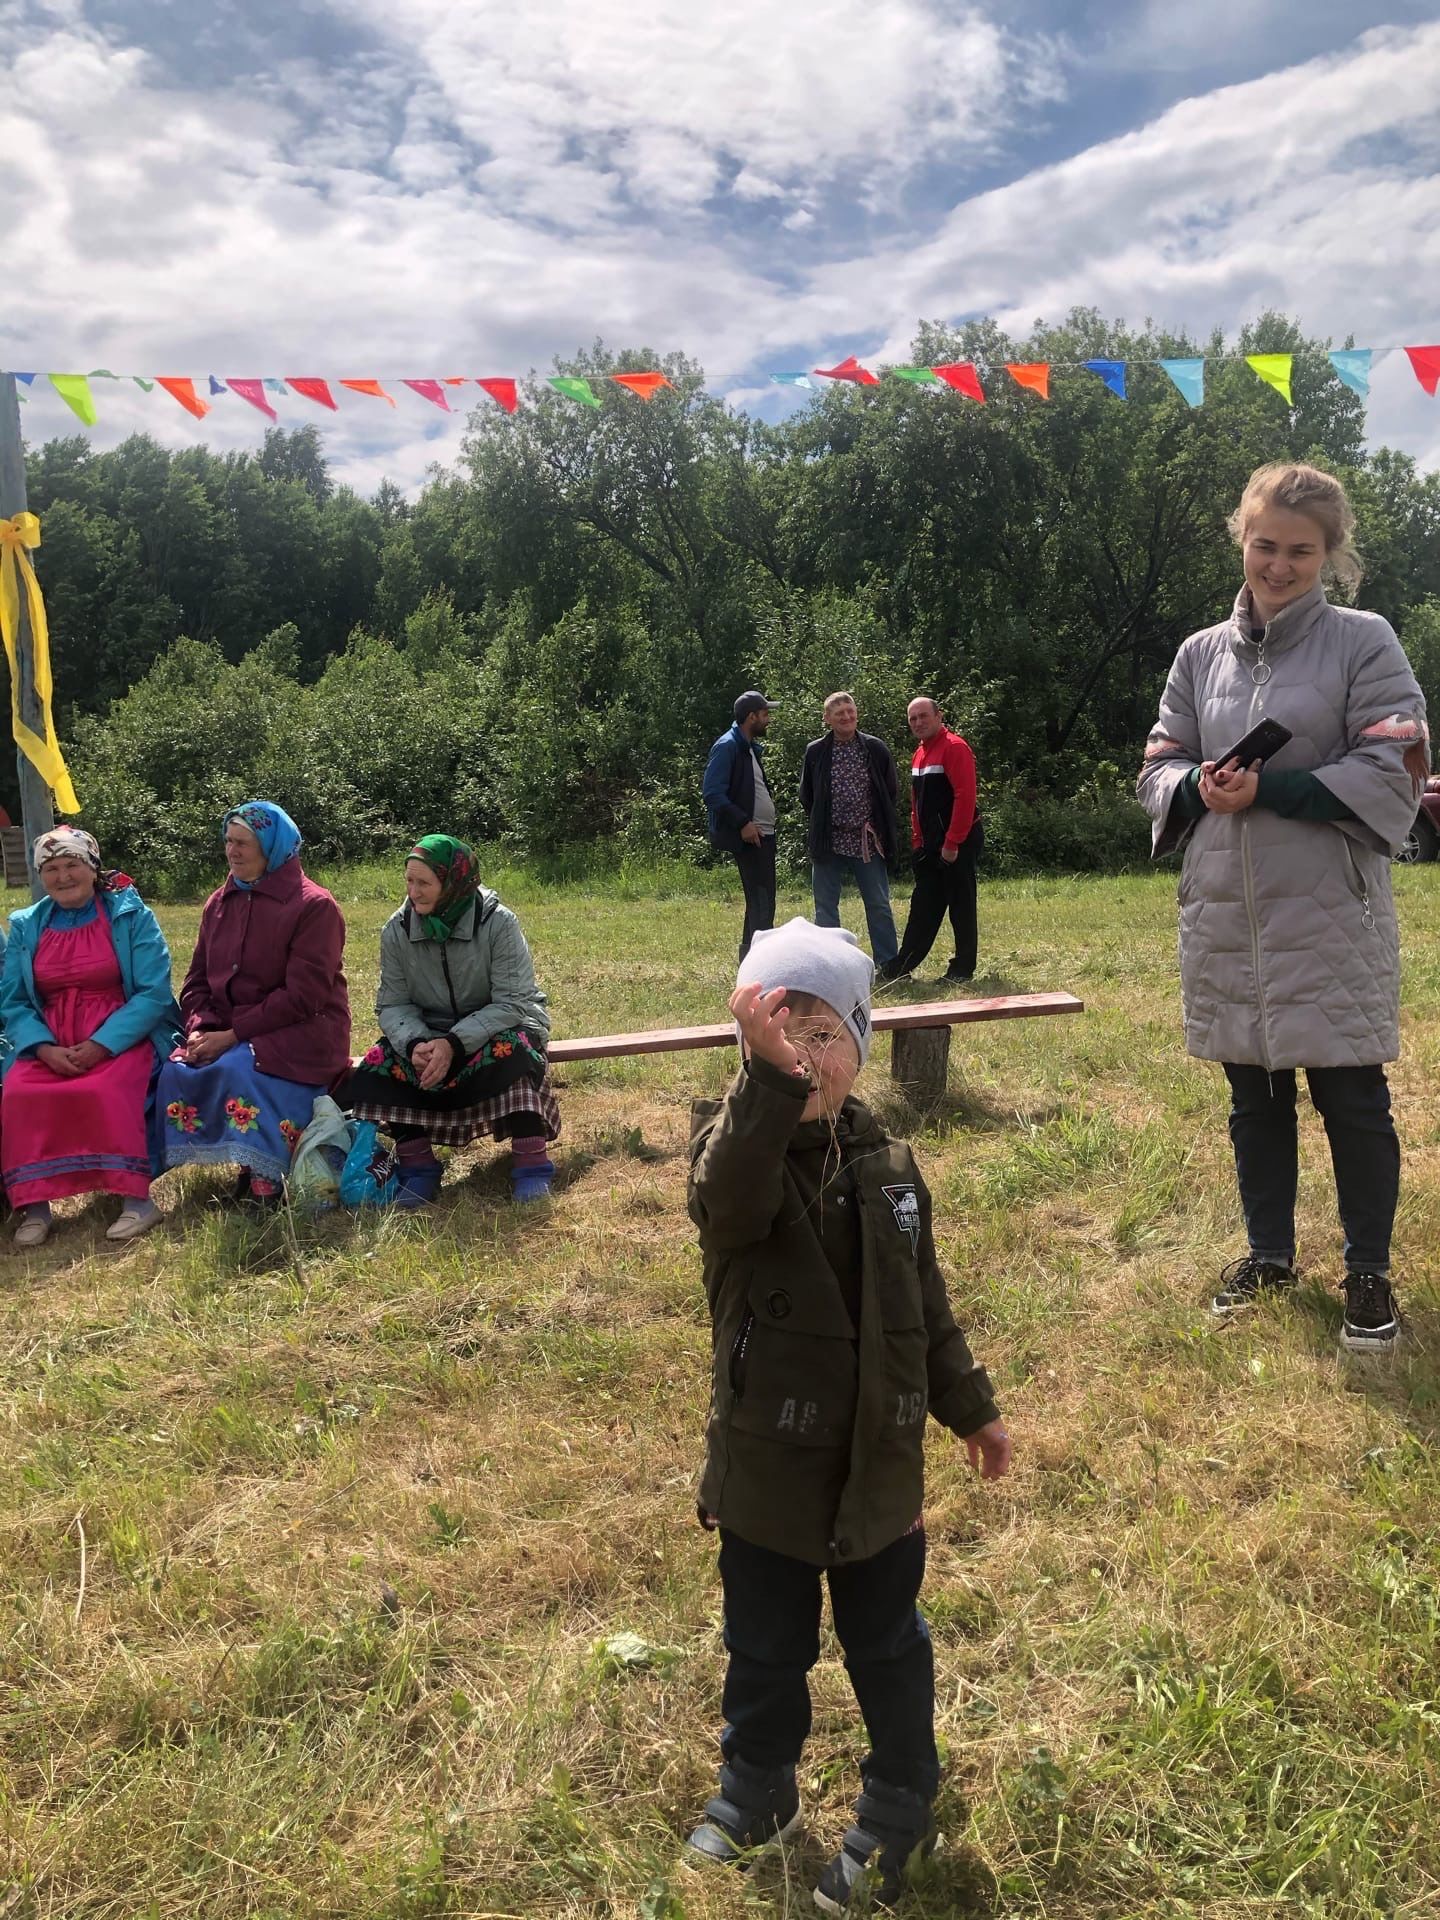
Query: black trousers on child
(757, 878)
(772, 1634)
(941, 887)
(1354, 1103)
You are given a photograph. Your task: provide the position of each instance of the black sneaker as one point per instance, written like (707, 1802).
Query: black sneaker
(952, 972)
(893, 1829)
(756, 1807)
(1247, 1280)
(890, 972)
(1372, 1314)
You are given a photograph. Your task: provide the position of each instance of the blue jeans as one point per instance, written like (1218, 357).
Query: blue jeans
(772, 1634)
(828, 878)
(1354, 1103)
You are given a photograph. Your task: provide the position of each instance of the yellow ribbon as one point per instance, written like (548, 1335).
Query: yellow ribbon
(17, 538)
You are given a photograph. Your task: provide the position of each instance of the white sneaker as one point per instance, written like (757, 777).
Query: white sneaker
(34, 1227)
(136, 1217)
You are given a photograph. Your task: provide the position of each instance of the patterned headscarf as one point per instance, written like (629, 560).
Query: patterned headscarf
(73, 843)
(277, 833)
(453, 864)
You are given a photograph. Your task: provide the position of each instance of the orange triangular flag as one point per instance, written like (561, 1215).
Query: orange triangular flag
(1034, 374)
(316, 390)
(184, 392)
(371, 387)
(646, 385)
(961, 375)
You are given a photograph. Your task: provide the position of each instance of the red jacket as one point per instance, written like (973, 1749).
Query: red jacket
(942, 792)
(267, 964)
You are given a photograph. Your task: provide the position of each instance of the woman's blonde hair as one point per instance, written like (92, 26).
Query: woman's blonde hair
(1319, 496)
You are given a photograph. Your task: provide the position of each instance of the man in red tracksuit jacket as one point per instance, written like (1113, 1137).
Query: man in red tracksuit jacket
(948, 837)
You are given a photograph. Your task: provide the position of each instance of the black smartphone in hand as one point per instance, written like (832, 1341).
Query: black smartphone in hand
(1261, 743)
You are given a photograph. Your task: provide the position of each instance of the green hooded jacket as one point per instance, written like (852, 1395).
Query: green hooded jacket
(815, 1443)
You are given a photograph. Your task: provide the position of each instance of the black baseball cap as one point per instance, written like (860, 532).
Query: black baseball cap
(751, 702)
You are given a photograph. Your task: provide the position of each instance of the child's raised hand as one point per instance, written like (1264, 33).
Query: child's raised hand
(989, 1449)
(761, 1019)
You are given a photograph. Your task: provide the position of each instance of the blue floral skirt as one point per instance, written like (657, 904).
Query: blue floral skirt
(230, 1114)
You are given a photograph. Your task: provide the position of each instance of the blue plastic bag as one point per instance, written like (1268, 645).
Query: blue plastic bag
(368, 1178)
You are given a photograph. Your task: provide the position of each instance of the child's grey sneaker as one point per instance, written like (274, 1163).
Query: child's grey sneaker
(1247, 1280)
(893, 1829)
(755, 1808)
(1372, 1314)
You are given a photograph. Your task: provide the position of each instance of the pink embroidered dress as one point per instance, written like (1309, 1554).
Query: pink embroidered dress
(61, 1136)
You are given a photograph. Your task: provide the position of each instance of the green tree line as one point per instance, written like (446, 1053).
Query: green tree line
(539, 648)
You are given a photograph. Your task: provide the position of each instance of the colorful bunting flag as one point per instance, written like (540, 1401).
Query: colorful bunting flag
(28, 378)
(794, 380)
(505, 393)
(316, 390)
(918, 376)
(372, 388)
(216, 386)
(1112, 372)
(1034, 374)
(1274, 370)
(644, 385)
(429, 390)
(1353, 366)
(184, 391)
(574, 388)
(1426, 362)
(272, 385)
(74, 390)
(455, 379)
(1189, 377)
(145, 386)
(961, 375)
(254, 392)
(849, 369)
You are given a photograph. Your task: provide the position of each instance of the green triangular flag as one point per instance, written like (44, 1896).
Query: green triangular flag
(1274, 370)
(575, 389)
(148, 386)
(921, 376)
(74, 390)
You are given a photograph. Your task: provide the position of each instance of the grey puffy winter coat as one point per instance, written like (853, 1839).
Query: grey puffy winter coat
(1289, 951)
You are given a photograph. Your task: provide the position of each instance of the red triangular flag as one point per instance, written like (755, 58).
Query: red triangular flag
(316, 390)
(1426, 362)
(429, 390)
(184, 392)
(961, 375)
(371, 387)
(849, 369)
(1034, 374)
(646, 385)
(505, 392)
(254, 392)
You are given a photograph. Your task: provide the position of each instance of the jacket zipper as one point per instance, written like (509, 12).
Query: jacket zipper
(1254, 934)
(1367, 915)
(449, 984)
(739, 1348)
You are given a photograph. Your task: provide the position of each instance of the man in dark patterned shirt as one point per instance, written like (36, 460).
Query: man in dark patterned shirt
(848, 789)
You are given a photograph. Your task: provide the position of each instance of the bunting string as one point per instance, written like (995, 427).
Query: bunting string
(1352, 366)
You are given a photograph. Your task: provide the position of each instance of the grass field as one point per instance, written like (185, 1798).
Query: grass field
(315, 1531)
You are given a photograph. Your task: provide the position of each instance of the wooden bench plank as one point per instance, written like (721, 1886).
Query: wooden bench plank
(934, 1013)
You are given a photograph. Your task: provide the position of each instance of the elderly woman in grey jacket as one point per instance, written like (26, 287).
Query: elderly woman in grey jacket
(463, 1029)
(1289, 951)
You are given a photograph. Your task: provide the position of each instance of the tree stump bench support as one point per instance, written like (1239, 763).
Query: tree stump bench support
(919, 1057)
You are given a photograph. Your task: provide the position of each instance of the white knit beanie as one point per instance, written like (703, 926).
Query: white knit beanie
(825, 961)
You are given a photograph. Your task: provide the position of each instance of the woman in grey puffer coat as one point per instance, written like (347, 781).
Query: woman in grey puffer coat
(1289, 952)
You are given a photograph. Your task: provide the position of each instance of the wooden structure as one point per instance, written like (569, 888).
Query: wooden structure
(919, 1058)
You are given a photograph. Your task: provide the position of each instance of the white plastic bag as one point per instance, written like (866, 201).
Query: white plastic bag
(320, 1155)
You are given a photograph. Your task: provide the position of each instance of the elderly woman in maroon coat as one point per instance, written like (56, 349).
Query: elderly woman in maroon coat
(267, 1017)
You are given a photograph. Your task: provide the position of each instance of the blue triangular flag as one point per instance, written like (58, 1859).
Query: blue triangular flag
(216, 386)
(791, 380)
(28, 378)
(1353, 366)
(1112, 372)
(1189, 377)
(275, 386)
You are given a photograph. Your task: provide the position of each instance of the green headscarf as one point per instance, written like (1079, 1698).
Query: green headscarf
(453, 864)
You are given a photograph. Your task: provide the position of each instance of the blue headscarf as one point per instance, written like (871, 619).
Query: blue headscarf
(277, 833)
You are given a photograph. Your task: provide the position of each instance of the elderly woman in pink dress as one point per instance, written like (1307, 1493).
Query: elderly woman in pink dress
(88, 1013)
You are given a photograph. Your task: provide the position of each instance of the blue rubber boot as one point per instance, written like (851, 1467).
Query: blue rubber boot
(530, 1180)
(418, 1185)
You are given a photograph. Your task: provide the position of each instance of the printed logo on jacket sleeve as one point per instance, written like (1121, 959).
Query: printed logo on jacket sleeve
(906, 1205)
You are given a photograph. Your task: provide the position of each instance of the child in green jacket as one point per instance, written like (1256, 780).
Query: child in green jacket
(833, 1338)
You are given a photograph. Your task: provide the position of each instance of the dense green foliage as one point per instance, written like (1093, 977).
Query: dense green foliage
(541, 646)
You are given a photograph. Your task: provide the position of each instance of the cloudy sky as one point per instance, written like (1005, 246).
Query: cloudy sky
(416, 187)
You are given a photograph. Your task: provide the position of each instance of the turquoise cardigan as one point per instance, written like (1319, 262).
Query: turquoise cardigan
(149, 1012)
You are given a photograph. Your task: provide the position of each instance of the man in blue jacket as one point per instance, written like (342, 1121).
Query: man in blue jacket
(741, 811)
